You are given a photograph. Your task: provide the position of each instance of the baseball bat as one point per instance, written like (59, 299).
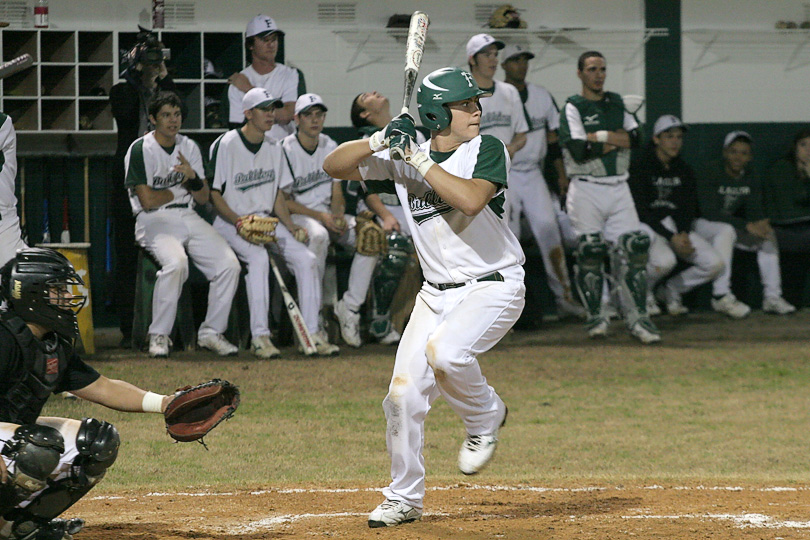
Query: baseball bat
(16, 64)
(415, 48)
(301, 330)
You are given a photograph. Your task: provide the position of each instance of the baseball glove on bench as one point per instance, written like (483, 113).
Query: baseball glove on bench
(370, 237)
(196, 410)
(257, 229)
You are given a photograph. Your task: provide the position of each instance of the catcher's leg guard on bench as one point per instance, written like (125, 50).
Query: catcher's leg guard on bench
(97, 443)
(386, 280)
(589, 272)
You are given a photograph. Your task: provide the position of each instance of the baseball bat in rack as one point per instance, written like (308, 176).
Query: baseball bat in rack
(301, 330)
(414, 49)
(16, 64)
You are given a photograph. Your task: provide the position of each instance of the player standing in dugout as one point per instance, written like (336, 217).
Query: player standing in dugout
(452, 188)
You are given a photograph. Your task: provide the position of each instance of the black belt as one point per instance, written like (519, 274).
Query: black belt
(494, 276)
(583, 179)
(175, 205)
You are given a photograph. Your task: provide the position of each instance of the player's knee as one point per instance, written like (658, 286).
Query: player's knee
(176, 267)
(591, 251)
(97, 443)
(727, 235)
(35, 451)
(664, 262)
(318, 238)
(230, 263)
(716, 267)
(443, 356)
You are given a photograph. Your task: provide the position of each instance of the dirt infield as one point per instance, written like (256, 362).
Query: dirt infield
(465, 511)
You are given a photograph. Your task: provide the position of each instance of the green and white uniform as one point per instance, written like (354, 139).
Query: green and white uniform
(249, 177)
(284, 83)
(10, 234)
(172, 229)
(502, 113)
(473, 294)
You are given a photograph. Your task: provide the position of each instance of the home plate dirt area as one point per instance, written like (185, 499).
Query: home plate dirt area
(468, 511)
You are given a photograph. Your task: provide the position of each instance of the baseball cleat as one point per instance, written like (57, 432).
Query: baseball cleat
(777, 305)
(217, 343)
(56, 529)
(391, 513)
(477, 450)
(323, 346)
(652, 306)
(264, 348)
(349, 324)
(645, 331)
(159, 345)
(729, 305)
(672, 301)
(597, 327)
(391, 338)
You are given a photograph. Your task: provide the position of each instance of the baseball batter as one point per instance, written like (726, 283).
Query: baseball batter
(250, 175)
(596, 134)
(284, 82)
(164, 178)
(10, 233)
(452, 190)
(528, 190)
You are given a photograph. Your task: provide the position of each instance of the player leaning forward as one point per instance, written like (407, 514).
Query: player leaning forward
(48, 464)
(452, 188)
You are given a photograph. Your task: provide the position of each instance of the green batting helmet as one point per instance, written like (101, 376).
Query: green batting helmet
(439, 88)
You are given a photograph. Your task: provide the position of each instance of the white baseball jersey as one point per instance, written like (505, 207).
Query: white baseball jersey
(502, 113)
(8, 166)
(542, 115)
(149, 163)
(452, 247)
(312, 187)
(248, 175)
(282, 83)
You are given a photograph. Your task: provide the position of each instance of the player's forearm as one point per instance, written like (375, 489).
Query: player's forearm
(615, 138)
(285, 114)
(343, 161)
(153, 198)
(469, 196)
(376, 205)
(518, 142)
(117, 394)
(297, 208)
(223, 209)
(282, 212)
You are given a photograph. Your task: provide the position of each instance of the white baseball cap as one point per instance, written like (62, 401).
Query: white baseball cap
(259, 97)
(261, 25)
(479, 41)
(307, 101)
(736, 135)
(667, 121)
(513, 51)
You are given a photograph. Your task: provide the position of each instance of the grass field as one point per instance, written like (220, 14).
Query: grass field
(719, 403)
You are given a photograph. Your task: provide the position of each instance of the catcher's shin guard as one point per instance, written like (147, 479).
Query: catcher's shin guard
(629, 264)
(589, 271)
(97, 443)
(386, 280)
(34, 452)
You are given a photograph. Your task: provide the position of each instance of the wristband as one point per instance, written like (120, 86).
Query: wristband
(152, 402)
(195, 184)
(602, 136)
(377, 141)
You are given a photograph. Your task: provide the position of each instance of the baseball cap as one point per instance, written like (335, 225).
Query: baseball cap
(667, 121)
(306, 101)
(513, 51)
(259, 97)
(261, 25)
(736, 135)
(479, 41)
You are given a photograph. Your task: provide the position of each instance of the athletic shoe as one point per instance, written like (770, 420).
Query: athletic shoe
(391, 338)
(323, 346)
(652, 306)
(566, 309)
(264, 348)
(672, 300)
(477, 450)
(645, 331)
(730, 306)
(349, 324)
(777, 305)
(217, 343)
(597, 327)
(56, 529)
(159, 345)
(391, 513)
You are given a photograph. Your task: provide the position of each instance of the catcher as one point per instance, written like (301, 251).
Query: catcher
(48, 464)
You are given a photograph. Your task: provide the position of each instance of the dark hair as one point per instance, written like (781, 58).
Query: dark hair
(163, 98)
(801, 134)
(357, 120)
(584, 56)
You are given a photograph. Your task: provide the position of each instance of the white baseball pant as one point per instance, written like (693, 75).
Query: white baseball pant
(601, 208)
(706, 263)
(438, 354)
(10, 236)
(167, 234)
(530, 196)
(767, 261)
(298, 258)
(722, 237)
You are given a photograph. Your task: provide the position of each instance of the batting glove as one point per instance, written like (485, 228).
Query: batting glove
(418, 159)
(378, 141)
(403, 123)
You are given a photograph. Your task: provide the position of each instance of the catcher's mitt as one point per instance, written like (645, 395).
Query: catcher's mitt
(506, 16)
(196, 410)
(369, 235)
(257, 229)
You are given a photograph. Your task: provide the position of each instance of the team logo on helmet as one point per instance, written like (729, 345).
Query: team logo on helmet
(468, 77)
